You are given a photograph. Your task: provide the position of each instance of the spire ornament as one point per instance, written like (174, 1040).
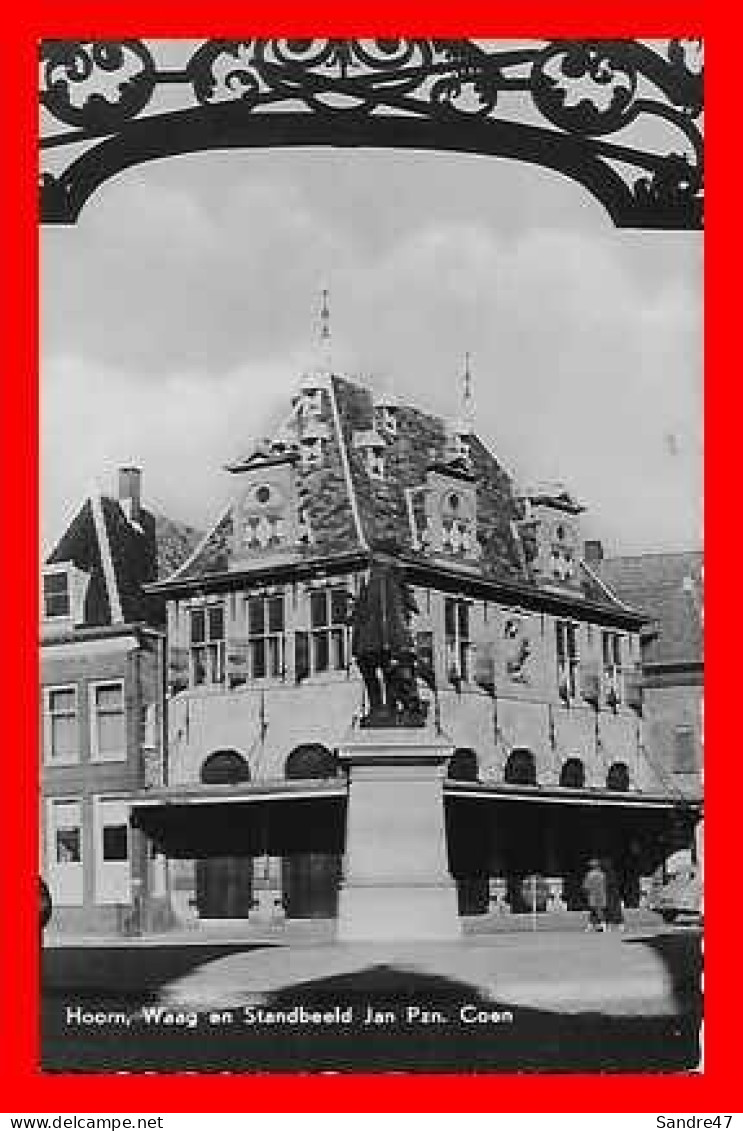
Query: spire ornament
(325, 339)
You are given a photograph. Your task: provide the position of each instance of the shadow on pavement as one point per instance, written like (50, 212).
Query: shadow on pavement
(379, 1034)
(681, 954)
(139, 974)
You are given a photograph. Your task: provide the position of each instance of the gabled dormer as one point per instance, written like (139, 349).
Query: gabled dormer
(450, 512)
(63, 589)
(372, 446)
(385, 416)
(551, 535)
(458, 450)
(267, 516)
(312, 444)
(309, 400)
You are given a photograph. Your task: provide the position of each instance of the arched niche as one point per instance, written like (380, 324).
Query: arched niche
(312, 760)
(225, 767)
(521, 768)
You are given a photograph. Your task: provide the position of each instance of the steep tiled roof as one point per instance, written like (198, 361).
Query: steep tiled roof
(350, 510)
(421, 439)
(137, 553)
(669, 588)
(79, 544)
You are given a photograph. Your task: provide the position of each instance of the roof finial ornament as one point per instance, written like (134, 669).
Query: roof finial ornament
(468, 407)
(326, 359)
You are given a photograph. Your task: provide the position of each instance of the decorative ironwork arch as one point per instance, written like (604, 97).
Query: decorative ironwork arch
(580, 108)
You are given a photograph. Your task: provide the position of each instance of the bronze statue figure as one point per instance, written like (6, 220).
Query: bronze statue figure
(383, 647)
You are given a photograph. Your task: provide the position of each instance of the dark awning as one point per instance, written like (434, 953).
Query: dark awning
(280, 820)
(563, 795)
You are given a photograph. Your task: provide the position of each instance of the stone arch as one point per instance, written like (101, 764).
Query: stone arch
(311, 760)
(521, 768)
(224, 767)
(462, 765)
(618, 777)
(573, 773)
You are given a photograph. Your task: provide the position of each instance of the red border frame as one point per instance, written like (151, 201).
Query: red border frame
(25, 1089)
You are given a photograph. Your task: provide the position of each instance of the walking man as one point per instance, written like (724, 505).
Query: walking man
(594, 889)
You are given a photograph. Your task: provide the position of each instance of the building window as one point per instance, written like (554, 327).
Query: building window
(311, 452)
(520, 768)
(568, 659)
(457, 639)
(115, 842)
(375, 464)
(64, 863)
(573, 774)
(112, 873)
(61, 730)
(385, 419)
(207, 645)
(107, 721)
(56, 586)
(611, 650)
(618, 777)
(266, 636)
(329, 630)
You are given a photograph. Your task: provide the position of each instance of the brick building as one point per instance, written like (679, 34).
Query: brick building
(102, 705)
(670, 589)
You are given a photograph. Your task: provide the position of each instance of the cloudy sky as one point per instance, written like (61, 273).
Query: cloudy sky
(178, 314)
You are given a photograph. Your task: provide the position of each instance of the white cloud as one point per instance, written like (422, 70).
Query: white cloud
(181, 431)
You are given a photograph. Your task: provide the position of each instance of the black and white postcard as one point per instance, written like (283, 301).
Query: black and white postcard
(371, 571)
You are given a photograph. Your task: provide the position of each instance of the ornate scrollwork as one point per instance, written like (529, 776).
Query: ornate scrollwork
(411, 93)
(318, 72)
(96, 85)
(686, 57)
(585, 88)
(674, 189)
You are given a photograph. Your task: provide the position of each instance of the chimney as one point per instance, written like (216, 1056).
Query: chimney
(130, 492)
(593, 550)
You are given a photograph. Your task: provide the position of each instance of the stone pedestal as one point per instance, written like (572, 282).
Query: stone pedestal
(396, 879)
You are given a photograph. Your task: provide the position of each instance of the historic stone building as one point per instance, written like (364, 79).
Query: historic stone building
(530, 663)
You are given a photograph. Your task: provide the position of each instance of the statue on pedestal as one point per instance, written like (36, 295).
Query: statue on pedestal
(383, 647)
